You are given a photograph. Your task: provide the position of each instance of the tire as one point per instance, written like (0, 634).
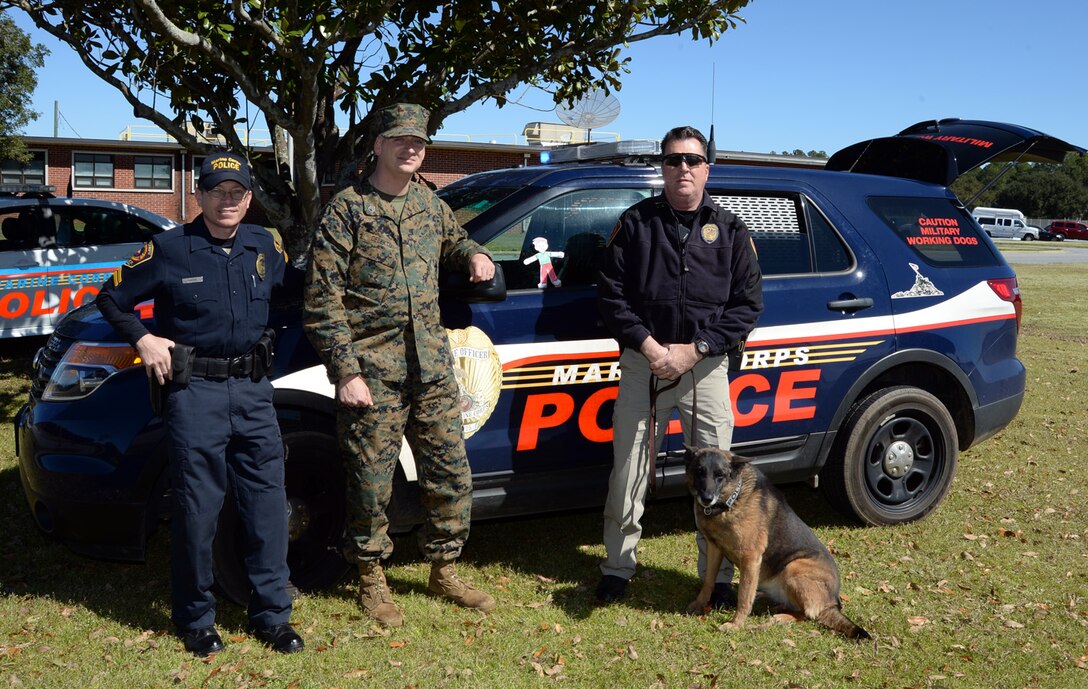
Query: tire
(896, 457)
(1059, 237)
(1028, 238)
(315, 495)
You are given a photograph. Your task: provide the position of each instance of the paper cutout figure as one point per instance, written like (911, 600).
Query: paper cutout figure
(544, 258)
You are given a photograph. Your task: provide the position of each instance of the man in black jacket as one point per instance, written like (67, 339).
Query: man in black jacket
(679, 289)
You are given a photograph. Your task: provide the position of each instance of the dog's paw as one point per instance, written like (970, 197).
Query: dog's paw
(730, 626)
(697, 607)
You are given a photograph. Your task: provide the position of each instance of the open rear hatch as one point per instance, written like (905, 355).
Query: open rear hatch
(939, 151)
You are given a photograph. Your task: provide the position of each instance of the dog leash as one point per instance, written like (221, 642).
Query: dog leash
(651, 435)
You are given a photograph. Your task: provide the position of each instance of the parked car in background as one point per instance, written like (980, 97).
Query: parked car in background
(887, 347)
(1044, 235)
(1067, 229)
(55, 252)
(1004, 223)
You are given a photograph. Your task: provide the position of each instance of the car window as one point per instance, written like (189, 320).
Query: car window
(831, 253)
(791, 235)
(937, 230)
(14, 233)
(90, 226)
(468, 201)
(575, 225)
(28, 227)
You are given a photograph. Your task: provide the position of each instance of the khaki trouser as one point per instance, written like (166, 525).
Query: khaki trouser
(630, 469)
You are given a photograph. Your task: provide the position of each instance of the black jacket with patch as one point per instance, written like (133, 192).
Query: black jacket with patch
(706, 287)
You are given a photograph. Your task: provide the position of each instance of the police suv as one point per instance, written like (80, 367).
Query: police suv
(887, 347)
(56, 252)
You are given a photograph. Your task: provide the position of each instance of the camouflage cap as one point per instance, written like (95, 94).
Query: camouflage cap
(404, 119)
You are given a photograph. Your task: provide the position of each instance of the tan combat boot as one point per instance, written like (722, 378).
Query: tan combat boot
(374, 596)
(445, 582)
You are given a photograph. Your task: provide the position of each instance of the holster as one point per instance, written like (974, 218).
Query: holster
(181, 364)
(181, 372)
(736, 355)
(263, 352)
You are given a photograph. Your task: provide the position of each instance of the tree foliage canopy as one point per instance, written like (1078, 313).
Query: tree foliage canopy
(19, 58)
(1038, 190)
(184, 63)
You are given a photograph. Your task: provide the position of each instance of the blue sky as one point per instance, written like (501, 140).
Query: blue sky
(797, 74)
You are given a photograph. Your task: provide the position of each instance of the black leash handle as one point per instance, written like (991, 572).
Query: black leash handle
(651, 435)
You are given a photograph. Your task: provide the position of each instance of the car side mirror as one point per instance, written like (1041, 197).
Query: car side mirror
(455, 285)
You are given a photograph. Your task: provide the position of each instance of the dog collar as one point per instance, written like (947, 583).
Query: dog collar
(730, 501)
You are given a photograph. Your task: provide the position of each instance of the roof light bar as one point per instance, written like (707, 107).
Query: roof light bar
(606, 150)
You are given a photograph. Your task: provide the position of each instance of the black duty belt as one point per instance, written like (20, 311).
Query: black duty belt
(221, 369)
(254, 364)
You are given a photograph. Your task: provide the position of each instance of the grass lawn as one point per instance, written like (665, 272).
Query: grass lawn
(990, 591)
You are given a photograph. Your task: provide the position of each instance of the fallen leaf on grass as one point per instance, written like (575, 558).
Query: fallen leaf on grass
(918, 620)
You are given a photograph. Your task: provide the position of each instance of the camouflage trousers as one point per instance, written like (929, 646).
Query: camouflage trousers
(428, 417)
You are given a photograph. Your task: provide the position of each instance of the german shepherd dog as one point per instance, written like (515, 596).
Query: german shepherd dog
(746, 519)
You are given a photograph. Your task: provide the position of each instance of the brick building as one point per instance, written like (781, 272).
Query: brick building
(159, 176)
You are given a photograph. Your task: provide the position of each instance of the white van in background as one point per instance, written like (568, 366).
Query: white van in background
(1007, 223)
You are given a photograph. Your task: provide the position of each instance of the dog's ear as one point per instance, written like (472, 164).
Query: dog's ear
(737, 459)
(689, 453)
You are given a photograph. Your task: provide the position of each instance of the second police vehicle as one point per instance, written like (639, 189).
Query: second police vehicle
(887, 347)
(55, 252)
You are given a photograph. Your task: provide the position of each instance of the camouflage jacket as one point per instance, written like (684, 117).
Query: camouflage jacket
(372, 285)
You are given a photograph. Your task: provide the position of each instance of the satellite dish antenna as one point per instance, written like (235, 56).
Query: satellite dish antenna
(594, 109)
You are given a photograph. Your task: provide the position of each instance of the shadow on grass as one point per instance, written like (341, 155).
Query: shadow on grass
(564, 548)
(133, 594)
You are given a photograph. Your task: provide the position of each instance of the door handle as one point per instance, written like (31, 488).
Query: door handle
(850, 305)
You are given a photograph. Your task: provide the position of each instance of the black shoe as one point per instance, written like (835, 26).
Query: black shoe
(202, 642)
(723, 598)
(281, 638)
(611, 589)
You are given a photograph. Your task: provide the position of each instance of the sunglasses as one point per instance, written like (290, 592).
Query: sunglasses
(689, 159)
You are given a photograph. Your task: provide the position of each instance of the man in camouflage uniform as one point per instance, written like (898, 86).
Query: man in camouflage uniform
(372, 314)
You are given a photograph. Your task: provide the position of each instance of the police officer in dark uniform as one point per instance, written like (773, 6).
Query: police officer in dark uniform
(212, 282)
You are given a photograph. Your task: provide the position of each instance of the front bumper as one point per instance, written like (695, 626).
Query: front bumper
(85, 490)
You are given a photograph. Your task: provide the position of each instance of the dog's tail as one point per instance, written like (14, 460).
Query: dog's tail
(832, 618)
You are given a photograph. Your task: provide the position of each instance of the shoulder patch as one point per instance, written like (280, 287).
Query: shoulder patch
(143, 254)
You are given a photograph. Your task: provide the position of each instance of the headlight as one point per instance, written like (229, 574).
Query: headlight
(85, 366)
